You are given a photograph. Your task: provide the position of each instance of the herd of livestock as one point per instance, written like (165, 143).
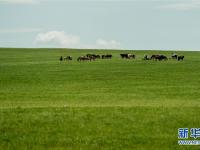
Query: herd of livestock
(92, 57)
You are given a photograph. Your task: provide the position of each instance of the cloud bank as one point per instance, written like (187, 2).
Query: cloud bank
(58, 38)
(61, 39)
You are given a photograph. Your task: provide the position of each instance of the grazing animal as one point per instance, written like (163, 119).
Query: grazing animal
(61, 58)
(131, 56)
(158, 57)
(83, 58)
(146, 57)
(174, 56)
(90, 55)
(94, 56)
(98, 56)
(108, 56)
(124, 55)
(68, 58)
(154, 57)
(127, 56)
(180, 58)
(162, 57)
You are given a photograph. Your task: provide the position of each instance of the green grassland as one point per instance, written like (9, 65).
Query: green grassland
(102, 104)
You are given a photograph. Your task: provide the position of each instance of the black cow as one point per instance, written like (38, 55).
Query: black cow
(108, 56)
(180, 58)
(61, 58)
(162, 57)
(124, 55)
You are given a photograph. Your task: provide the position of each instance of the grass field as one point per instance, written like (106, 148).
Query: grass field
(104, 104)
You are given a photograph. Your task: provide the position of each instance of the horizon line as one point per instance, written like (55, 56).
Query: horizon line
(101, 49)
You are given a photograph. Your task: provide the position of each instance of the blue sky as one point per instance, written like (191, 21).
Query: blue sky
(109, 24)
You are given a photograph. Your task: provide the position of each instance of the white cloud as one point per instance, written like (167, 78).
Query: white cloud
(183, 5)
(19, 1)
(19, 30)
(61, 39)
(58, 38)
